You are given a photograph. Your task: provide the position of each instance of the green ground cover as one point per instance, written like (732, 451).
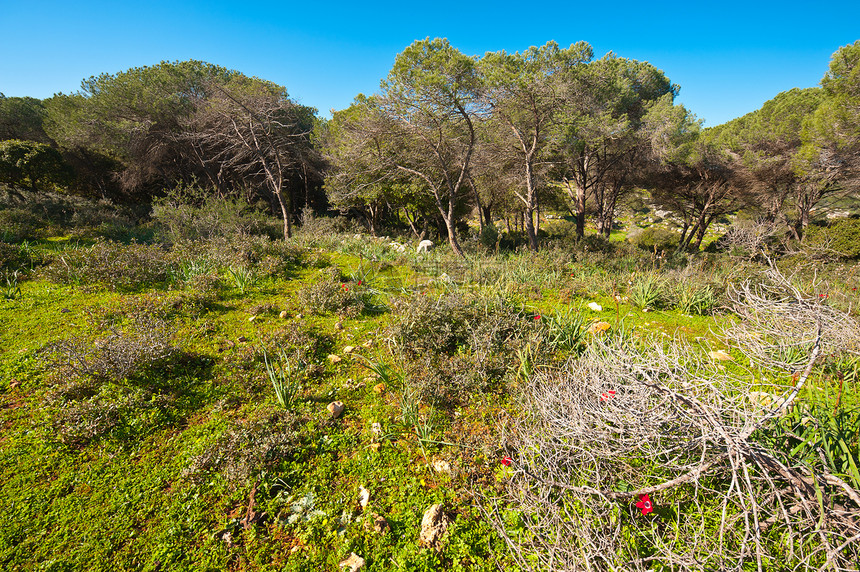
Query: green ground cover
(141, 430)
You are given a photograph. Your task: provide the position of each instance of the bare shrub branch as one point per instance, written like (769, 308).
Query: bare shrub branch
(621, 422)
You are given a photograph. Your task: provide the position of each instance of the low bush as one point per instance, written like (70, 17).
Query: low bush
(191, 212)
(123, 267)
(841, 237)
(248, 447)
(18, 224)
(77, 422)
(330, 293)
(655, 238)
(144, 343)
(444, 324)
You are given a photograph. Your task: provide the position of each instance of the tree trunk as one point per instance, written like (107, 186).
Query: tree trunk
(528, 219)
(580, 211)
(288, 227)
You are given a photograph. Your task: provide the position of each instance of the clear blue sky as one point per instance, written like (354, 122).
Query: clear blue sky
(728, 58)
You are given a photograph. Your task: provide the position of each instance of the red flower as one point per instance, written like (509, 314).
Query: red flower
(537, 317)
(506, 460)
(644, 504)
(359, 282)
(608, 395)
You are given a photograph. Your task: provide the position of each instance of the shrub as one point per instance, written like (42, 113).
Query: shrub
(121, 353)
(841, 237)
(125, 267)
(248, 447)
(18, 224)
(490, 237)
(191, 212)
(482, 325)
(77, 422)
(656, 238)
(331, 294)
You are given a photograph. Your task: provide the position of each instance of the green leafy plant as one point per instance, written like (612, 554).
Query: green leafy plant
(243, 277)
(285, 377)
(565, 329)
(11, 291)
(647, 291)
(692, 298)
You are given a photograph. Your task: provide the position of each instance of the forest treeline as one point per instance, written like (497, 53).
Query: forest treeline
(446, 136)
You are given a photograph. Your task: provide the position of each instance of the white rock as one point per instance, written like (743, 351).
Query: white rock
(441, 466)
(425, 246)
(595, 306)
(363, 497)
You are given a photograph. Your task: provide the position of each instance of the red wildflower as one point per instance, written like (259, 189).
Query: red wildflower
(608, 395)
(644, 504)
(359, 282)
(506, 460)
(537, 317)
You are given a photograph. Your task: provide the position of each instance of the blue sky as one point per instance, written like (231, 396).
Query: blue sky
(728, 58)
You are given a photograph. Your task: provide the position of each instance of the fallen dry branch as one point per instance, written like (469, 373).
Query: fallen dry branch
(620, 423)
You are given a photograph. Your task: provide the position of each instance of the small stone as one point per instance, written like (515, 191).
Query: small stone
(338, 326)
(333, 358)
(375, 446)
(335, 408)
(241, 339)
(441, 466)
(65, 311)
(363, 497)
(367, 344)
(252, 318)
(720, 355)
(646, 309)
(376, 429)
(595, 307)
(348, 349)
(598, 327)
(283, 314)
(379, 388)
(434, 525)
(299, 316)
(354, 562)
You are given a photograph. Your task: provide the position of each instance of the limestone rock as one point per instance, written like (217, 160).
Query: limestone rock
(441, 466)
(335, 408)
(594, 306)
(348, 349)
(363, 497)
(379, 388)
(353, 562)
(283, 314)
(434, 525)
(334, 358)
